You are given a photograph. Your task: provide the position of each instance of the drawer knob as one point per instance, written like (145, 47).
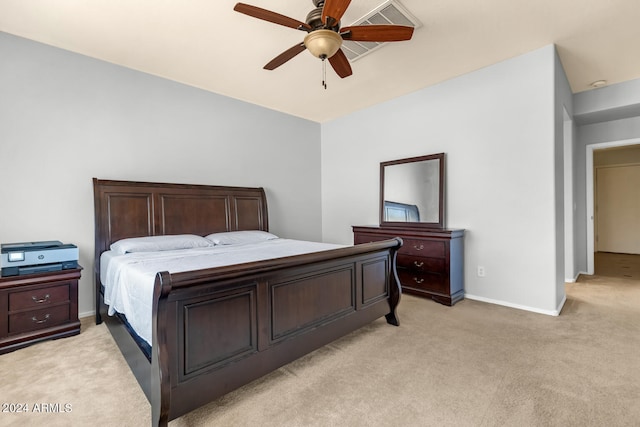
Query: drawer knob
(418, 264)
(44, 319)
(418, 248)
(40, 300)
(415, 279)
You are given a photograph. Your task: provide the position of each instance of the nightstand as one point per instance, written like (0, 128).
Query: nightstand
(38, 307)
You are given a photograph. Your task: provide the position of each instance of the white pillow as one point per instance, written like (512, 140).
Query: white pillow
(159, 243)
(237, 237)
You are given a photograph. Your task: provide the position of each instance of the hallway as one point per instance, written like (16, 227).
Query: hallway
(610, 264)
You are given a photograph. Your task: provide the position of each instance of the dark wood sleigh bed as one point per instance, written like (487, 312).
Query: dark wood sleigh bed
(256, 316)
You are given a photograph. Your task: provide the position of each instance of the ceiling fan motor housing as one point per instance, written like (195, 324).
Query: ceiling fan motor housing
(314, 18)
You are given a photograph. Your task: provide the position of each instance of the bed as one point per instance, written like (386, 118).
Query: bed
(215, 329)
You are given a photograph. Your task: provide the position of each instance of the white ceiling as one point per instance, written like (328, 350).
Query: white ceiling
(204, 43)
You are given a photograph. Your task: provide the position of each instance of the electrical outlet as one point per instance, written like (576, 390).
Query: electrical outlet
(481, 271)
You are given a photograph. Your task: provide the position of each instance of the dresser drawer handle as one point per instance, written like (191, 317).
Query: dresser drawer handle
(418, 248)
(40, 300)
(415, 279)
(36, 320)
(418, 264)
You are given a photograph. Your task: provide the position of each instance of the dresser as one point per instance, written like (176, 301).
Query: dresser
(37, 307)
(430, 262)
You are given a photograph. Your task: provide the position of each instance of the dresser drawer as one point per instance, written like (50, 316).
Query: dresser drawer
(37, 298)
(27, 321)
(423, 248)
(423, 281)
(360, 238)
(420, 264)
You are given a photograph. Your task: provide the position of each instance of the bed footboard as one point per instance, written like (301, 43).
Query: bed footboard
(216, 330)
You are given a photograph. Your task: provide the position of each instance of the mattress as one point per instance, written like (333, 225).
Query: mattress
(128, 279)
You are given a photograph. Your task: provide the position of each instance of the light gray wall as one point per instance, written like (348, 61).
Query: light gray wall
(66, 118)
(614, 130)
(498, 130)
(615, 102)
(563, 105)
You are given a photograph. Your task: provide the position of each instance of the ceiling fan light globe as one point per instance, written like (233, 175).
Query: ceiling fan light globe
(323, 43)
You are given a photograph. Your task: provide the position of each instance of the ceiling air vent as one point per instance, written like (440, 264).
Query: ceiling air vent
(388, 13)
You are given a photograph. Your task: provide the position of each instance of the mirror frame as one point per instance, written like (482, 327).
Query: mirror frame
(438, 224)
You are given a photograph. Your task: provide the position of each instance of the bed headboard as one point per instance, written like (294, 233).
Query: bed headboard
(136, 209)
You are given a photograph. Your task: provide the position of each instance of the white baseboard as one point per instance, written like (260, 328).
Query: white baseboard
(559, 309)
(575, 279)
(555, 312)
(86, 314)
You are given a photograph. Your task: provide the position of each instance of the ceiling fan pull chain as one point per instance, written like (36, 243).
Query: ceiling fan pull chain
(324, 73)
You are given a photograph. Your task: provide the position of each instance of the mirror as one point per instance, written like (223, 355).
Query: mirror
(412, 192)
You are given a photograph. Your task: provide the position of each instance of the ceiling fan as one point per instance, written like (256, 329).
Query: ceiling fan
(324, 34)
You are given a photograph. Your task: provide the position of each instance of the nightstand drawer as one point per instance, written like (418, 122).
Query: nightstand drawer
(423, 248)
(36, 298)
(38, 319)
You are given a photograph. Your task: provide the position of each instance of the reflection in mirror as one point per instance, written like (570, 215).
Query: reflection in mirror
(394, 211)
(412, 191)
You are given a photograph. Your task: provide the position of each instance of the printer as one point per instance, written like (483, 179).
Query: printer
(37, 257)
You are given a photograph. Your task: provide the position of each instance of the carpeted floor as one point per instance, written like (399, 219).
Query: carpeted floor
(474, 364)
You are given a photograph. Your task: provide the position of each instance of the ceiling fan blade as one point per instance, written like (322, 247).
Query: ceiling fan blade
(267, 15)
(285, 56)
(340, 64)
(334, 9)
(377, 33)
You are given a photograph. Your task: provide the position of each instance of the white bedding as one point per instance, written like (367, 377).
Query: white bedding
(128, 279)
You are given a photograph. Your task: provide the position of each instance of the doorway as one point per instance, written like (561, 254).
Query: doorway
(617, 209)
(590, 196)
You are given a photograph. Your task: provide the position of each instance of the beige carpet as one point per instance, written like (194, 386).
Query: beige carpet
(475, 364)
